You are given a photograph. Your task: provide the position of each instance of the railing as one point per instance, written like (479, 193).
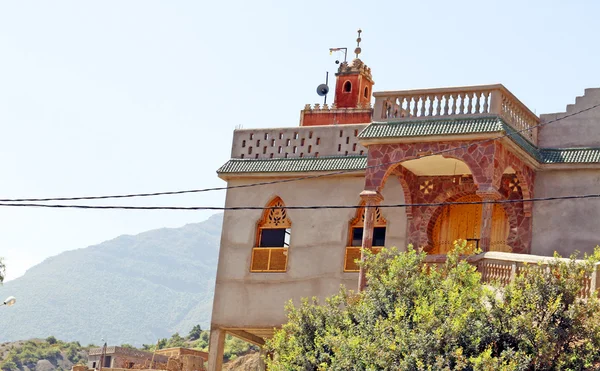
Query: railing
(503, 267)
(352, 255)
(269, 259)
(461, 101)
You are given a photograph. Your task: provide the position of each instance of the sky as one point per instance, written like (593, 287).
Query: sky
(113, 96)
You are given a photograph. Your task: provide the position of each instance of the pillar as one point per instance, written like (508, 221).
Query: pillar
(371, 200)
(487, 209)
(261, 360)
(215, 349)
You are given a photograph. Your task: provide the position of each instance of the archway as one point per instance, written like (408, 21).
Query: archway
(464, 222)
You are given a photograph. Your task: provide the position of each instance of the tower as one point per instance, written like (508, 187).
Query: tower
(352, 101)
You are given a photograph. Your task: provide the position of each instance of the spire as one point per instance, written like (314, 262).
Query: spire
(358, 40)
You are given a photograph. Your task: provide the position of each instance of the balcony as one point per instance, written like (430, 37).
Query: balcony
(469, 101)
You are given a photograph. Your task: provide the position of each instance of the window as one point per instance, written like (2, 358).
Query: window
(378, 236)
(270, 253)
(347, 87)
(366, 92)
(356, 235)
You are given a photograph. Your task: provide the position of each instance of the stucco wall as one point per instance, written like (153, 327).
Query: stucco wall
(581, 130)
(315, 141)
(316, 253)
(566, 225)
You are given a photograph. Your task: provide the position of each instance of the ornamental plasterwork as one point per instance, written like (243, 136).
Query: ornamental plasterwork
(426, 187)
(276, 215)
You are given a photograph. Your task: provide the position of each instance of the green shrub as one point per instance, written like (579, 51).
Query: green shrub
(411, 317)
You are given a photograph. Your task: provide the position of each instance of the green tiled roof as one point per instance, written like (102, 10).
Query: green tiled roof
(412, 128)
(416, 128)
(453, 126)
(294, 165)
(570, 155)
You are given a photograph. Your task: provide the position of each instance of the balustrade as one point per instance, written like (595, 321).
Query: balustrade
(462, 101)
(502, 268)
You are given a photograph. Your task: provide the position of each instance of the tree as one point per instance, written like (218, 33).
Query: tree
(418, 317)
(195, 333)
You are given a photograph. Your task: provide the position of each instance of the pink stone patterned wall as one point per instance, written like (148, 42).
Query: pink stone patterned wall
(487, 163)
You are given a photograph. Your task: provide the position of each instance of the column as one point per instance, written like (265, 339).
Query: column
(261, 360)
(371, 199)
(487, 210)
(215, 349)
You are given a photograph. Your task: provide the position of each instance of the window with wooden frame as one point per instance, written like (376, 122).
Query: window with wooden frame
(355, 232)
(273, 232)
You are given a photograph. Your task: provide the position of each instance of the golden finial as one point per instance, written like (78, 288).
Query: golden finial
(358, 40)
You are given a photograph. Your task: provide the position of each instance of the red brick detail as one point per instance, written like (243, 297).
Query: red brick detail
(487, 162)
(384, 158)
(355, 97)
(525, 174)
(338, 117)
(407, 180)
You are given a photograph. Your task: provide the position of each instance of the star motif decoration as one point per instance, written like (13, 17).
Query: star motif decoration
(426, 187)
(513, 185)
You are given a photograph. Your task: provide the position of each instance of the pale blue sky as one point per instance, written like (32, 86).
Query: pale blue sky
(101, 97)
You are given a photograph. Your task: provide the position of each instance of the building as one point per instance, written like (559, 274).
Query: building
(417, 147)
(188, 359)
(171, 359)
(127, 358)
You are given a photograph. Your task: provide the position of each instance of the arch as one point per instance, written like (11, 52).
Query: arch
(431, 215)
(366, 92)
(347, 86)
(383, 158)
(273, 233)
(355, 231)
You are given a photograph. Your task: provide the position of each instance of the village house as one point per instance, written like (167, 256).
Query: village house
(477, 147)
(123, 358)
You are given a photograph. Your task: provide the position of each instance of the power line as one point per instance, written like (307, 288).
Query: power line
(311, 207)
(340, 172)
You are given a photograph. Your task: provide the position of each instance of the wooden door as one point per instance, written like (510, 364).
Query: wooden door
(464, 222)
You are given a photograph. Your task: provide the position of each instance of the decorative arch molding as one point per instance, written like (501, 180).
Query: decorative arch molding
(383, 159)
(406, 178)
(275, 215)
(432, 213)
(526, 175)
(359, 217)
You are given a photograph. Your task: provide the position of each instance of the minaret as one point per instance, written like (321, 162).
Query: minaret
(352, 102)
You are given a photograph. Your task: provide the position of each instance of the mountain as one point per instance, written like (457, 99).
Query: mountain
(132, 289)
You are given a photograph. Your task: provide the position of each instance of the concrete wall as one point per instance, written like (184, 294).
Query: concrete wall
(324, 140)
(566, 225)
(581, 130)
(316, 253)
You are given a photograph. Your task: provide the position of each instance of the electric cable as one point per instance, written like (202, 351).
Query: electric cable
(310, 207)
(152, 194)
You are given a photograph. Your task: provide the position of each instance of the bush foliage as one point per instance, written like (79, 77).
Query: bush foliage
(415, 317)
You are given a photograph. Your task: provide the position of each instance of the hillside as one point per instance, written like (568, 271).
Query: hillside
(132, 289)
